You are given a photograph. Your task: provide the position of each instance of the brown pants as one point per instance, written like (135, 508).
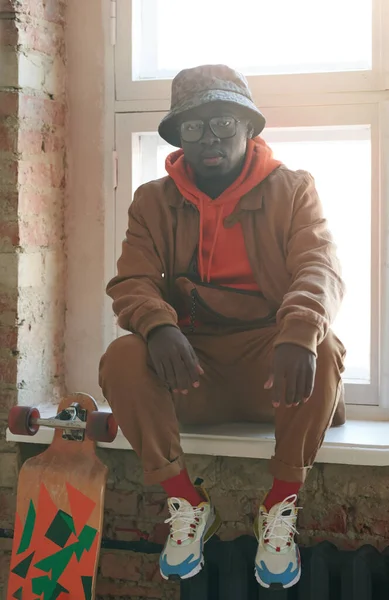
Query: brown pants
(236, 367)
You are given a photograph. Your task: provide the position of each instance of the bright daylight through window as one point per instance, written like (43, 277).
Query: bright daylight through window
(310, 37)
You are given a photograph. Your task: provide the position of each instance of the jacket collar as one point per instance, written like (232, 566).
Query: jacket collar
(251, 201)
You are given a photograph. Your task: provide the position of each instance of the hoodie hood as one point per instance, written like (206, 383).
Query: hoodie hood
(259, 163)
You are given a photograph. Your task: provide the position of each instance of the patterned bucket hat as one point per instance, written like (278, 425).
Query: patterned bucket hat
(208, 83)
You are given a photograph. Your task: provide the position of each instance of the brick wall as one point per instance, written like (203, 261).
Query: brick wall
(346, 505)
(32, 181)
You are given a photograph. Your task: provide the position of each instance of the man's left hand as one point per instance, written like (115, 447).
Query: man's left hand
(293, 376)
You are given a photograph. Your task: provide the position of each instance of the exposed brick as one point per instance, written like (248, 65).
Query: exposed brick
(8, 305)
(7, 6)
(5, 446)
(46, 38)
(42, 111)
(206, 468)
(248, 474)
(7, 507)
(9, 470)
(8, 32)
(231, 531)
(9, 102)
(8, 337)
(159, 533)
(5, 560)
(8, 171)
(40, 232)
(121, 502)
(40, 203)
(129, 529)
(124, 474)
(9, 236)
(232, 505)
(323, 517)
(8, 137)
(151, 572)
(153, 505)
(8, 398)
(371, 517)
(115, 589)
(9, 204)
(5, 544)
(42, 175)
(50, 10)
(40, 141)
(8, 370)
(126, 566)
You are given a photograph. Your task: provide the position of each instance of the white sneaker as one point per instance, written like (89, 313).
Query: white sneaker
(190, 527)
(277, 562)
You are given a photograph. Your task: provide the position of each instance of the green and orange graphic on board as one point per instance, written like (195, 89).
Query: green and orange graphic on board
(59, 516)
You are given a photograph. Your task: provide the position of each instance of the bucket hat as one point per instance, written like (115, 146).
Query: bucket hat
(201, 85)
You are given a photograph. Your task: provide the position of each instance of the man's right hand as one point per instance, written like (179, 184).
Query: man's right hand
(174, 359)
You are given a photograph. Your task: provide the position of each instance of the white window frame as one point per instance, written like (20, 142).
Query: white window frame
(320, 99)
(145, 93)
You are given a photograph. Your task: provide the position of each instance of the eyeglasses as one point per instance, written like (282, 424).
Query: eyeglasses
(222, 127)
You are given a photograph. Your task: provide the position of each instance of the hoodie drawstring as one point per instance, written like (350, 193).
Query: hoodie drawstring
(218, 224)
(201, 239)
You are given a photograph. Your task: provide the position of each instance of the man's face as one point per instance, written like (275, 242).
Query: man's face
(213, 156)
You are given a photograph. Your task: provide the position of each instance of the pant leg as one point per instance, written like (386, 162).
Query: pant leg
(299, 431)
(147, 412)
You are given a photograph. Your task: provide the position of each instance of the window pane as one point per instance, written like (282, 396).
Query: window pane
(333, 155)
(256, 37)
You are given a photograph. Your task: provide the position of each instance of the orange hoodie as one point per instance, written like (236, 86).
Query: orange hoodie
(222, 254)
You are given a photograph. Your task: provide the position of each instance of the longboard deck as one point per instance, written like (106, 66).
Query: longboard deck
(59, 516)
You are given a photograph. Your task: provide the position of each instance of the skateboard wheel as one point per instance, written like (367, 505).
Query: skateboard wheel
(19, 420)
(101, 427)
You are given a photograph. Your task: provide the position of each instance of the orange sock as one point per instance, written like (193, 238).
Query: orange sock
(181, 486)
(280, 491)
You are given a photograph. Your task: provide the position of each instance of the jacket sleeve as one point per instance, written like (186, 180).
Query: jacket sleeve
(139, 288)
(316, 290)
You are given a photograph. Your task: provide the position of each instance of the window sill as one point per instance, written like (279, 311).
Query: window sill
(356, 443)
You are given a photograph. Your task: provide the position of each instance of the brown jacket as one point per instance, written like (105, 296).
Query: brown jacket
(288, 243)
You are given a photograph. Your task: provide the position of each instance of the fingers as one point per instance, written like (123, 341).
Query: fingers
(300, 389)
(160, 370)
(193, 368)
(269, 383)
(309, 384)
(290, 389)
(293, 388)
(278, 388)
(170, 375)
(183, 371)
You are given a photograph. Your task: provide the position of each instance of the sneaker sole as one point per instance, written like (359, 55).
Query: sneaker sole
(212, 529)
(278, 585)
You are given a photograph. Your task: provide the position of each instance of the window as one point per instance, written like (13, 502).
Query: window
(298, 44)
(326, 106)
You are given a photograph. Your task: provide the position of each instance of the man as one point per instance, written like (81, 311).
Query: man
(229, 280)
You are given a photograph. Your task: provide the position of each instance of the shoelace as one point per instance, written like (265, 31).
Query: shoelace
(183, 521)
(278, 520)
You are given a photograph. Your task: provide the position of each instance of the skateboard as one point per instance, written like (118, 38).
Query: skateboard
(60, 503)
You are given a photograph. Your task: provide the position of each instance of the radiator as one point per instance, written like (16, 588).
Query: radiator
(327, 574)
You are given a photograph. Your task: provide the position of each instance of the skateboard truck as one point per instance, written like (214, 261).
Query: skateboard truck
(75, 416)
(74, 420)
